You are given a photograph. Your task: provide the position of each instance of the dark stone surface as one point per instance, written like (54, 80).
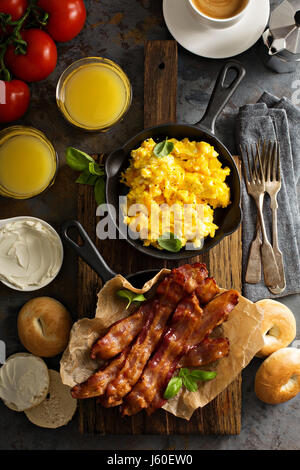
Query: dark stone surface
(117, 30)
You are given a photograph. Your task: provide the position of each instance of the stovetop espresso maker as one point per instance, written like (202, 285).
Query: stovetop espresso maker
(282, 38)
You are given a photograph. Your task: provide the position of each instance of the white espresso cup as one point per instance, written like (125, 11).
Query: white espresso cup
(216, 23)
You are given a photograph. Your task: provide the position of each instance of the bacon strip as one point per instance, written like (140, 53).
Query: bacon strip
(170, 292)
(186, 331)
(193, 275)
(123, 332)
(185, 320)
(120, 334)
(207, 291)
(97, 383)
(208, 351)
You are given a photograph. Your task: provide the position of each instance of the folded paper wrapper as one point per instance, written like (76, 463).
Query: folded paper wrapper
(242, 329)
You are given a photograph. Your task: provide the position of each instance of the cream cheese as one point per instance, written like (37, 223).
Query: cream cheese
(30, 253)
(24, 381)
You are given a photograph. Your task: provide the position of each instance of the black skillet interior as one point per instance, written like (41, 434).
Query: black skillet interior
(140, 278)
(228, 219)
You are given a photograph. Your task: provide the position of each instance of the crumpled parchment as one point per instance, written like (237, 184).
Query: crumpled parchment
(242, 329)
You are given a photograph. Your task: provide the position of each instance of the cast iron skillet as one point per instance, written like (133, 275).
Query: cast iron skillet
(227, 219)
(89, 253)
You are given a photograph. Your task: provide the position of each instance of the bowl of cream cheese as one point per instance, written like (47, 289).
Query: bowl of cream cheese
(31, 253)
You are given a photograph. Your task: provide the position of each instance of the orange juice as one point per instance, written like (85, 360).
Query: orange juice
(94, 93)
(27, 162)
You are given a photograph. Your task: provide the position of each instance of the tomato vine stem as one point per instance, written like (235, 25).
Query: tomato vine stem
(34, 16)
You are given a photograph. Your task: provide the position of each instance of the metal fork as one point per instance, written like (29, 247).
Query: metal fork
(271, 168)
(256, 188)
(273, 186)
(253, 271)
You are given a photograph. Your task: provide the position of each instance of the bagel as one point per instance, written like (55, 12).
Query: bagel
(278, 326)
(278, 378)
(57, 409)
(44, 326)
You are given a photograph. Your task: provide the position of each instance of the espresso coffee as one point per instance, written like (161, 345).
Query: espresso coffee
(220, 9)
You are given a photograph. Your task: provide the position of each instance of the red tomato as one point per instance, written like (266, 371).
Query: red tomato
(39, 60)
(14, 100)
(66, 18)
(15, 8)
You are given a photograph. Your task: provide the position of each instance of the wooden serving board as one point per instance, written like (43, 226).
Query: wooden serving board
(222, 415)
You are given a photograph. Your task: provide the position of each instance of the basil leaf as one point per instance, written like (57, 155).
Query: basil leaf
(77, 160)
(189, 383)
(169, 242)
(183, 372)
(190, 378)
(100, 190)
(126, 294)
(86, 178)
(173, 388)
(139, 298)
(203, 375)
(95, 169)
(130, 296)
(163, 149)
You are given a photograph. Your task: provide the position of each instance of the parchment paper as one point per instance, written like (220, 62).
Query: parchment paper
(242, 329)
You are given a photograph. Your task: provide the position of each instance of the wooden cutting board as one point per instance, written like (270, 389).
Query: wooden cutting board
(222, 415)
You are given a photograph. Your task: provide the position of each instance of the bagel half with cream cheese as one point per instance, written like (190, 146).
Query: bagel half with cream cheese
(24, 381)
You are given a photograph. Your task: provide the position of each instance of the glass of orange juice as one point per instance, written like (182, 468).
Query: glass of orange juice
(94, 93)
(28, 162)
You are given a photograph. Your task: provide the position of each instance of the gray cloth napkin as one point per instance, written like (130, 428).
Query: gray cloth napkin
(274, 119)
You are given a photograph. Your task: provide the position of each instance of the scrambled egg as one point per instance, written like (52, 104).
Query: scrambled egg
(176, 193)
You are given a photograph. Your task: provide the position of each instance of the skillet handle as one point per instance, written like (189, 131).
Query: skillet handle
(221, 94)
(88, 251)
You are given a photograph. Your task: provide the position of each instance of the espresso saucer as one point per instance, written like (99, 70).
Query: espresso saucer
(215, 43)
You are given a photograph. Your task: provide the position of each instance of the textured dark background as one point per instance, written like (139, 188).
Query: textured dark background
(117, 30)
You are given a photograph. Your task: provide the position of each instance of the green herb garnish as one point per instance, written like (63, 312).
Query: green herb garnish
(203, 375)
(92, 173)
(189, 379)
(173, 388)
(130, 296)
(163, 149)
(100, 191)
(168, 241)
(77, 160)
(86, 178)
(96, 169)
